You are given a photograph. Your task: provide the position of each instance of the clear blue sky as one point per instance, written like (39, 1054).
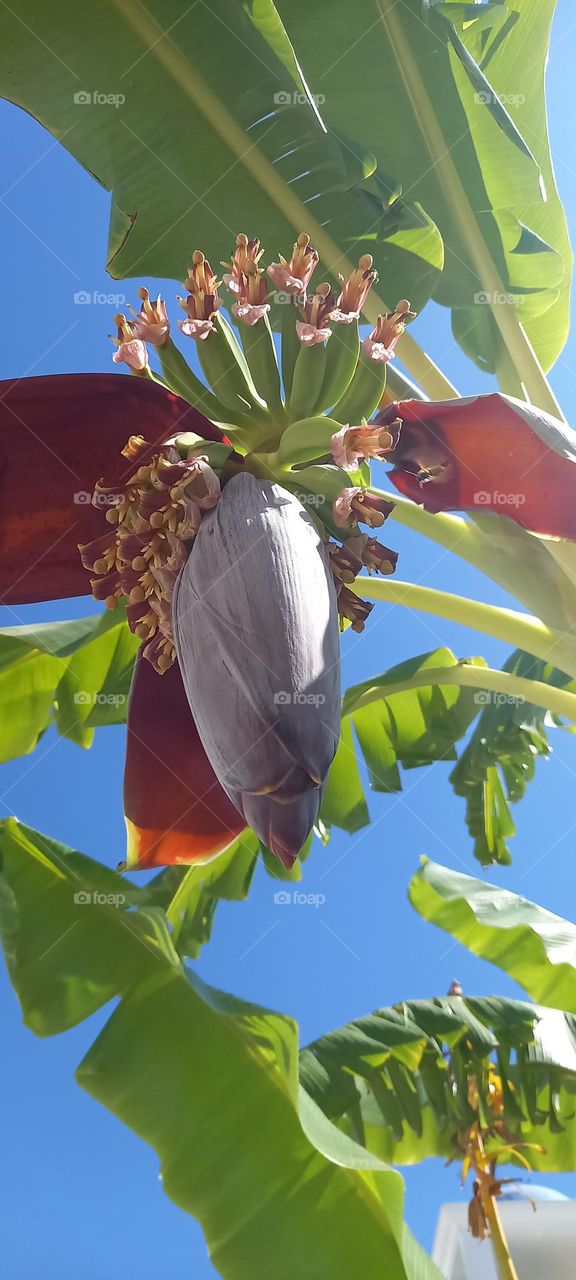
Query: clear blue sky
(80, 1193)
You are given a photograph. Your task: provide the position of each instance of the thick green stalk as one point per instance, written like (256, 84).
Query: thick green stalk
(560, 702)
(520, 630)
(449, 531)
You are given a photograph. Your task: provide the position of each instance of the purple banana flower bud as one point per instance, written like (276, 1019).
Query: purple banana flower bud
(255, 621)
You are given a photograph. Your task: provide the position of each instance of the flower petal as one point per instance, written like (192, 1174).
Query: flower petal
(176, 810)
(58, 436)
(488, 453)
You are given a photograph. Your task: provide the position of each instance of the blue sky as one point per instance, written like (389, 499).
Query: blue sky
(81, 1195)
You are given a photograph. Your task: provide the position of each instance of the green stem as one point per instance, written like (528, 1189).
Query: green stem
(398, 387)
(504, 1262)
(558, 701)
(449, 531)
(502, 1255)
(537, 571)
(520, 630)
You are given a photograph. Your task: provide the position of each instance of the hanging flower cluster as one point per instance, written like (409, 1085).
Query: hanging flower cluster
(355, 387)
(154, 518)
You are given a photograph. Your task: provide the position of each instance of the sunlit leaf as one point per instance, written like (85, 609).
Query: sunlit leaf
(170, 1060)
(536, 947)
(235, 139)
(413, 1078)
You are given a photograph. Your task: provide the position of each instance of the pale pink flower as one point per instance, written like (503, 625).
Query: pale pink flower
(152, 323)
(312, 328)
(245, 260)
(354, 503)
(342, 514)
(202, 301)
(249, 314)
(354, 291)
(133, 353)
(351, 444)
(380, 343)
(294, 276)
(309, 335)
(198, 329)
(247, 282)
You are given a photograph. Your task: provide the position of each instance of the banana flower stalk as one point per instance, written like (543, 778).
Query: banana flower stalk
(178, 502)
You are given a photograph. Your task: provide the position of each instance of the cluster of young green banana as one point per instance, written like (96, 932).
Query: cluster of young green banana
(293, 408)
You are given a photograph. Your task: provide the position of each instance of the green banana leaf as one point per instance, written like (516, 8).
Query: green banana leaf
(409, 1081)
(75, 674)
(201, 124)
(199, 1075)
(190, 895)
(446, 97)
(409, 728)
(536, 947)
(500, 758)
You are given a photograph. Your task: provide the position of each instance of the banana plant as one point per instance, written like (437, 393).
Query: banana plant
(222, 509)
